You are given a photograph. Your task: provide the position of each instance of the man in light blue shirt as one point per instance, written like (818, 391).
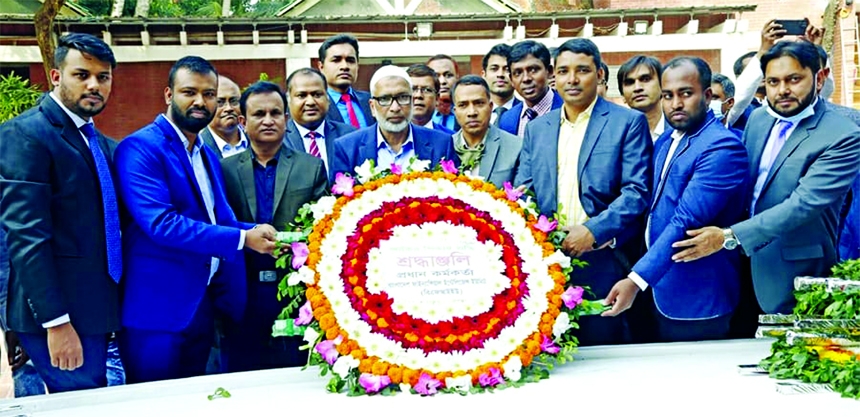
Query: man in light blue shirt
(339, 63)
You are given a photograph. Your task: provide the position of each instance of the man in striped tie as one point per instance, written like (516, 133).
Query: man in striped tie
(58, 207)
(309, 129)
(268, 183)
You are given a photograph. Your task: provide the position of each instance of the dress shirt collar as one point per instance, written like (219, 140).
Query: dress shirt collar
(429, 124)
(320, 131)
(585, 115)
(243, 140)
(272, 161)
(797, 118)
(542, 107)
(661, 126)
(75, 118)
(336, 95)
(510, 103)
(197, 143)
(381, 143)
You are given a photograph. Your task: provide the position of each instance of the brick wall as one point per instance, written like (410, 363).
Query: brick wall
(137, 95)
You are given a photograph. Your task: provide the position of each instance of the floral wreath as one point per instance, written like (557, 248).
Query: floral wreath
(365, 314)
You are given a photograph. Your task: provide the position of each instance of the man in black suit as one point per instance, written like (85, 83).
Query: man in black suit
(224, 135)
(267, 183)
(497, 75)
(339, 62)
(308, 130)
(58, 207)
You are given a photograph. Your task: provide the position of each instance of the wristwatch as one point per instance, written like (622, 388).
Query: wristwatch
(730, 242)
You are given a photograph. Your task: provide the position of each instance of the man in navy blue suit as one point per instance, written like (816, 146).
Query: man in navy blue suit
(531, 69)
(395, 140)
(700, 175)
(183, 247)
(591, 158)
(497, 75)
(339, 62)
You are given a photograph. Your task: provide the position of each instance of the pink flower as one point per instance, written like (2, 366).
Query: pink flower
(328, 350)
(448, 167)
(572, 297)
(300, 253)
(512, 193)
(306, 314)
(491, 379)
(548, 346)
(427, 385)
(373, 383)
(343, 184)
(544, 225)
(396, 169)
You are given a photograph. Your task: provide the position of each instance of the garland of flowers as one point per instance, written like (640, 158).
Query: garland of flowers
(373, 343)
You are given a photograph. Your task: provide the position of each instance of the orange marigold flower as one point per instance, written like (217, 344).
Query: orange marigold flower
(395, 373)
(365, 365)
(327, 321)
(379, 368)
(311, 292)
(332, 333)
(342, 349)
(545, 328)
(357, 353)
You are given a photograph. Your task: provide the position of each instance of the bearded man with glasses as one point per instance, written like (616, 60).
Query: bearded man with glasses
(394, 140)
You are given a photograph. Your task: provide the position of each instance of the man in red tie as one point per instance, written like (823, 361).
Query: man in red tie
(308, 130)
(339, 62)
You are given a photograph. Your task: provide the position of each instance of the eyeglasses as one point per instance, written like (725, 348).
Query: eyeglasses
(234, 102)
(385, 101)
(423, 90)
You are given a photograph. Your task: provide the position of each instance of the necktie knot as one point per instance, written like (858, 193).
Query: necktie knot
(346, 98)
(783, 126)
(531, 114)
(89, 131)
(312, 135)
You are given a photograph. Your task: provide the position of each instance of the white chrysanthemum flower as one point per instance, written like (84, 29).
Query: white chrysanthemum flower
(323, 207)
(512, 368)
(418, 165)
(561, 325)
(344, 364)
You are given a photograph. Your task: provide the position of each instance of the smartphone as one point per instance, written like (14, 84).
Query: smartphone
(794, 27)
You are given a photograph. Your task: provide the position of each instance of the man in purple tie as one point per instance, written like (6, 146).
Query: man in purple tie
(803, 159)
(58, 207)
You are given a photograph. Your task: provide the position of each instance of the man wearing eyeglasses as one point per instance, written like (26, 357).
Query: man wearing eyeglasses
(394, 140)
(425, 90)
(224, 135)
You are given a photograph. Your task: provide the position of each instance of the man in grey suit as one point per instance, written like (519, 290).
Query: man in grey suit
(267, 183)
(803, 159)
(484, 150)
(224, 134)
(592, 158)
(308, 130)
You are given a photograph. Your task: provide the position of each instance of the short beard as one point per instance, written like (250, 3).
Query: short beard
(188, 124)
(387, 126)
(74, 105)
(804, 103)
(692, 122)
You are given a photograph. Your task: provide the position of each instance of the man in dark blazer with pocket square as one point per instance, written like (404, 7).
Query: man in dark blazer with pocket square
(592, 158)
(267, 183)
(59, 209)
(803, 158)
(309, 130)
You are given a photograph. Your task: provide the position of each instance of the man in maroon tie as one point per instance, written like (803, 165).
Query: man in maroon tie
(339, 62)
(308, 130)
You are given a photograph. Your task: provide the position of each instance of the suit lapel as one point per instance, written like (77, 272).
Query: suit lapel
(294, 137)
(660, 173)
(423, 147)
(209, 141)
(330, 136)
(246, 178)
(800, 134)
(181, 153)
(547, 157)
(367, 150)
(491, 152)
(285, 168)
(592, 133)
(70, 132)
(333, 112)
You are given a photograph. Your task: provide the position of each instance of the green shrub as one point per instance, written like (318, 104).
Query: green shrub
(17, 95)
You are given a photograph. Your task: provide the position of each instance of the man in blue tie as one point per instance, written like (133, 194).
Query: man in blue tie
(58, 207)
(184, 259)
(699, 172)
(803, 159)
